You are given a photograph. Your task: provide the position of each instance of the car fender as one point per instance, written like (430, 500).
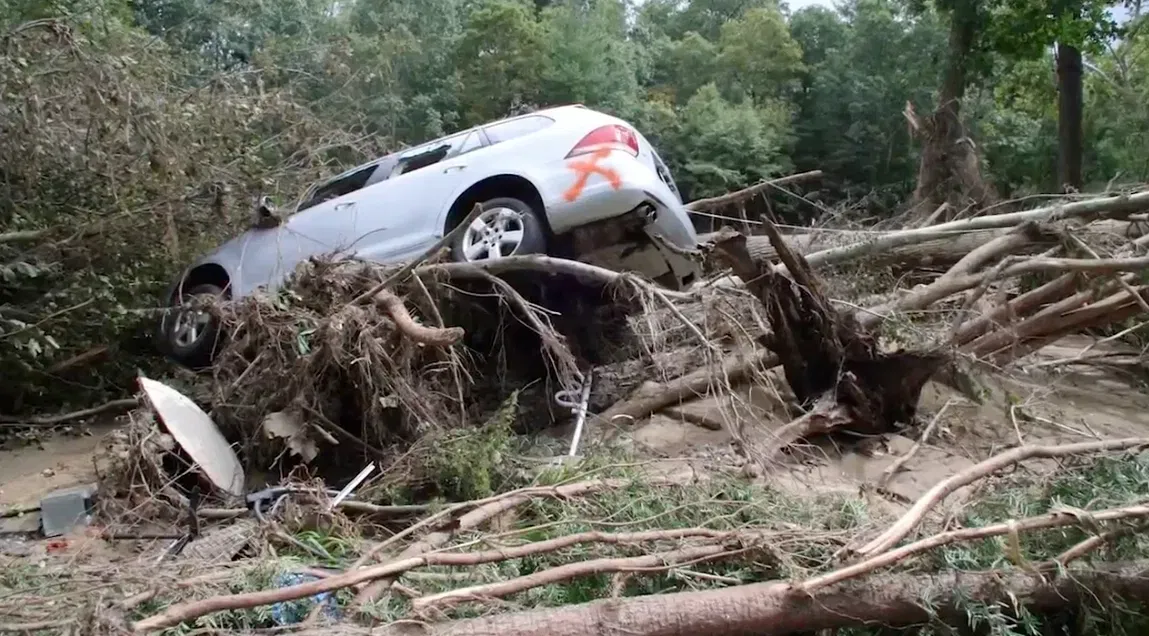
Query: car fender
(445, 211)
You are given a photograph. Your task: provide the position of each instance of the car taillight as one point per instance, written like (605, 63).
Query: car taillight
(610, 137)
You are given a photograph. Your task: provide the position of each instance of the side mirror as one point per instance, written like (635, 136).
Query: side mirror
(266, 216)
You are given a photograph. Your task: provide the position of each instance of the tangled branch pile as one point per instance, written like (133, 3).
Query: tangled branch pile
(367, 356)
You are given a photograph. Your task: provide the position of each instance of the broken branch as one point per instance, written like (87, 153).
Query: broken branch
(935, 495)
(55, 420)
(647, 563)
(750, 192)
(433, 336)
(1054, 519)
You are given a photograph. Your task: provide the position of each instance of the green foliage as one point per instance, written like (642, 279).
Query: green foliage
(497, 59)
(758, 53)
(1097, 484)
(726, 144)
(130, 175)
(863, 67)
(467, 463)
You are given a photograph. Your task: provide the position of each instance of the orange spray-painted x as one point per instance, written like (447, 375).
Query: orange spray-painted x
(584, 168)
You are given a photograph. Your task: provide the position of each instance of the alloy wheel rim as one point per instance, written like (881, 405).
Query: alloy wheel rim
(190, 326)
(495, 233)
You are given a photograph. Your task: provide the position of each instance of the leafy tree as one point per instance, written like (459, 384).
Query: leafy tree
(718, 145)
(589, 58)
(980, 32)
(676, 18)
(683, 66)
(758, 54)
(863, 66)
(498, 61)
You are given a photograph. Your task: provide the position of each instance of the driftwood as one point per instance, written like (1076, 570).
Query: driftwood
(931, 251)
(994, 333)
(114, 406)
(777, 609)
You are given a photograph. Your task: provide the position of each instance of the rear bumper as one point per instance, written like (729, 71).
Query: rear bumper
(587, 189)
(646, 239)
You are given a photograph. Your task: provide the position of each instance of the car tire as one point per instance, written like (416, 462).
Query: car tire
(191, 346)
(516, 216)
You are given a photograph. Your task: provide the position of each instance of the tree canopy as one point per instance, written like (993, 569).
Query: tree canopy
(149, 113)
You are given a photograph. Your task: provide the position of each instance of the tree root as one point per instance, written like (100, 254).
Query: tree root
(432, 336)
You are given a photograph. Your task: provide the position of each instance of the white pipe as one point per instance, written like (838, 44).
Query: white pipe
(580, 413)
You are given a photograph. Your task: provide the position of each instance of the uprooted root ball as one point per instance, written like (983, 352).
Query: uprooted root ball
(343, 381)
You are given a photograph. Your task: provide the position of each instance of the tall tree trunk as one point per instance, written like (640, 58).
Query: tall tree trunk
(949, 170)
(1070, 104)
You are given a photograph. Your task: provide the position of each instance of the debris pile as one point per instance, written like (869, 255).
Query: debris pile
(423, 373)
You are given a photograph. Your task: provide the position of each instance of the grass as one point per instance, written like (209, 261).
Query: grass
(1104, 482)
(811, 528)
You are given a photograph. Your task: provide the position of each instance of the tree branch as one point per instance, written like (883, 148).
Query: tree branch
(935, 495)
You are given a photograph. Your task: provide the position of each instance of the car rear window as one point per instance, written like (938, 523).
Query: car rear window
(514, 128)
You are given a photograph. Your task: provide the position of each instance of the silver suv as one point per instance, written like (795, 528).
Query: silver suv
(566, 181)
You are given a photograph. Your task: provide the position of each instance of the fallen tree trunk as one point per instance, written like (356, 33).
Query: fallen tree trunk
(934, 252)
(1112, 207)
(930, 251)
(777, 609)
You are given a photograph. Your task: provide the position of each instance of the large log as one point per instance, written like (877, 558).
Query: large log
(931, 251)
(778, 609)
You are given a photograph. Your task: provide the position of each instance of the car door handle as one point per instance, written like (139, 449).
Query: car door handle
(459, 167)
(343, 207)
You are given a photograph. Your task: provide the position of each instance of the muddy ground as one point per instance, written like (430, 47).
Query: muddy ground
(1076, 403)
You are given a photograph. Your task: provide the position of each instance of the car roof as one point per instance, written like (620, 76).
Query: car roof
(552, 110)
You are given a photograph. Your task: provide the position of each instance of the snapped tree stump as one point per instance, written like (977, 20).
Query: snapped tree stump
(840, 377)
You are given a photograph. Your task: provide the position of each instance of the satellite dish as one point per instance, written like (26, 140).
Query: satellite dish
(194, 431)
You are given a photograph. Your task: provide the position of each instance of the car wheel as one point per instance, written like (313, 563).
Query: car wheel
(191, 334)
(506, 227)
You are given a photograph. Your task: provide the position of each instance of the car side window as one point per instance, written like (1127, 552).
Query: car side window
(436, 151)
(518, 127)
(474, 141)
(339, 187)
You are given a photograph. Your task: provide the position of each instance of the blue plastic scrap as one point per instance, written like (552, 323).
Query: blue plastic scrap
(292, 612)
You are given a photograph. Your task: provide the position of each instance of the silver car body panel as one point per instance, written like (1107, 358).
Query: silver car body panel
(398, 218)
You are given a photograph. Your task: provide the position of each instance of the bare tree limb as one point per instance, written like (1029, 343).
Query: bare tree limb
(56, 420)
(750, 192)
(1107, 206)
(1055, 519)
(558, 574)
(482, 511)
(22, 236)
(935, 495)
(896, 465)
(186, 611)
